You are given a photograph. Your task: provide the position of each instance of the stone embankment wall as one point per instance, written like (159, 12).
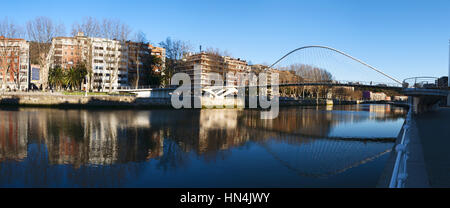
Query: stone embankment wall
(78, 100)
(58, 99)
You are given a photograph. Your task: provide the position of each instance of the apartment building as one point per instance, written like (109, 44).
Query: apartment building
(198, 66)
(67, 52)
(14, 63)
(113, 62)
(161, 54)
(103, 55)
(109, 64)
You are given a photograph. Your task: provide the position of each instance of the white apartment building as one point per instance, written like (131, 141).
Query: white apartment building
(109, 64)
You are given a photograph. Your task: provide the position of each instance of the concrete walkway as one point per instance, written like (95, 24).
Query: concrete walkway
(433, 129)
(416, 164)
(416, 167)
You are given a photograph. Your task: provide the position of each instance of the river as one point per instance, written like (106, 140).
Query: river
(327, 146)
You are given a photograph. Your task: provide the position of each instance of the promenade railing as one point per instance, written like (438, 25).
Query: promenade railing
(400, 173)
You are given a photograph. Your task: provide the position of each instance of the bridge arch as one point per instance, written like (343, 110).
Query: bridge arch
(340, 52)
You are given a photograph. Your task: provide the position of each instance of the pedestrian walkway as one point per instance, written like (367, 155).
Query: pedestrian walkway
(433, 129)
(416, 168)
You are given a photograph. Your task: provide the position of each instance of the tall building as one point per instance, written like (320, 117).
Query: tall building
(14, 63)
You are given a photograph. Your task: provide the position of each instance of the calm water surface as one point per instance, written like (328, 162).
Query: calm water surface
(340, 146)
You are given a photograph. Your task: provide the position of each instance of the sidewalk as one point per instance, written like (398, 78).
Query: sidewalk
(434, 131)
(416, 168)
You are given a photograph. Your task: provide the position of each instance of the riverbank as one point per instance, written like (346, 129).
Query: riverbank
(79, 101)
(71, 100)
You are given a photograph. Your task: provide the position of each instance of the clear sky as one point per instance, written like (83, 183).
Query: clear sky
(404, 38)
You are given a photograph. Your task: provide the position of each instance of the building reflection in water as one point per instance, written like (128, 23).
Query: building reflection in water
(13, 136)
(104, 146)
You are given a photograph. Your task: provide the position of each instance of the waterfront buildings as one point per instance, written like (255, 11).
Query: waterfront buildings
(199, 66)
(114, 63)
(381, 96)
(374, 96)
(14, 63)
(109, 64)
(66, 52)
(107, 59)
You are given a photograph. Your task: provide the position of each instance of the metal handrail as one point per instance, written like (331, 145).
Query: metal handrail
(400, 174)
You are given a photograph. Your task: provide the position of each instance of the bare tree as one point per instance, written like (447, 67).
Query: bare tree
(175, 50)
(118, 32)
(41, 30)
(89, 26)
(10, 30)
(308, 73)
(141, 45)
(216, 61)
(217, 51)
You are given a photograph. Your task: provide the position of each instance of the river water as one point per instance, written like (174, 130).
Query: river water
(334, 146)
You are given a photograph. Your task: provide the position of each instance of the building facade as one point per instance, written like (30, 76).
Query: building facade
(374, 96)
(14, 63)
(161, 54)
(67, 52)
(109, 64)
(199, 66)
(114, 63)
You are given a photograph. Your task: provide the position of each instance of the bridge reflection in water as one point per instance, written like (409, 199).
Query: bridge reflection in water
(194, 148)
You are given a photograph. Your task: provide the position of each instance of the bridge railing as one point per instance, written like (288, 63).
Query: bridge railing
(347, 82)
(367, 83)
(425, 83)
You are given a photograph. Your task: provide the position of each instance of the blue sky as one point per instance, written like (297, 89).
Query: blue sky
(404, 38)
